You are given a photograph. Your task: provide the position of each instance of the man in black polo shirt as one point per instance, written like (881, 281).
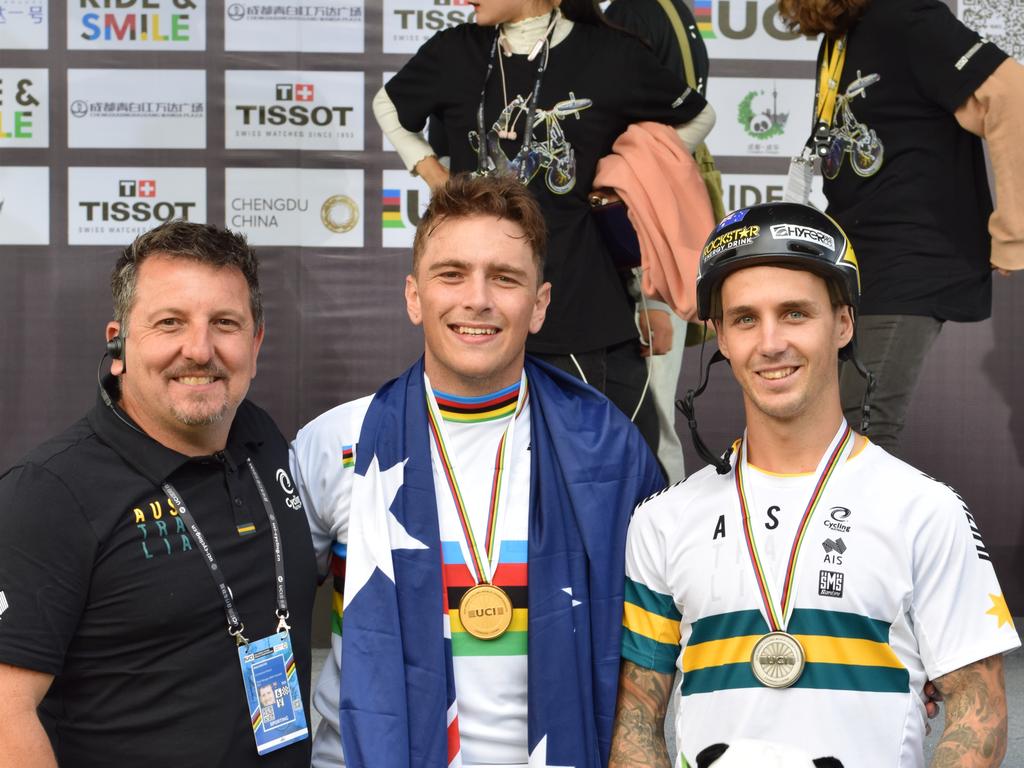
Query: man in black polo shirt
(147, 601)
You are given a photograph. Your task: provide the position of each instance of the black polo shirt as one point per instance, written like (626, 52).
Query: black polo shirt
(106, 590)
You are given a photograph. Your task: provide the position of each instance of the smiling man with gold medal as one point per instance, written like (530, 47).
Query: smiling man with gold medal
(482, 501)
(807, 583)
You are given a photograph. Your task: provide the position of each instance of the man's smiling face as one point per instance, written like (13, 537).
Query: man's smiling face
(477, 294)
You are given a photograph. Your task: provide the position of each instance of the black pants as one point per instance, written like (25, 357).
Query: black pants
(621, 374)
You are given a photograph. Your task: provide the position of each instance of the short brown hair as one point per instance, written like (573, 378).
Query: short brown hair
(814, 17)
(503, 197)
(203, 243)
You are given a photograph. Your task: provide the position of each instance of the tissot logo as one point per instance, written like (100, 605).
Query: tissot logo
(315, 110)
(112, 205)
(296, 92)
(410, 23)
(137, 24)
(140, 188)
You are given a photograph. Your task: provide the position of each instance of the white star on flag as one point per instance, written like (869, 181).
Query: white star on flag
(374, 531)
(539, 756)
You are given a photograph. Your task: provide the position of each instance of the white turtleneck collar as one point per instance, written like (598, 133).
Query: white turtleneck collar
(523, 35)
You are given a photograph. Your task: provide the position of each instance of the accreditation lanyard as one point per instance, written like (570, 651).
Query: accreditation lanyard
(829, 72)
(531, 105)
(235, 625)
(482, 559)
(837, 453)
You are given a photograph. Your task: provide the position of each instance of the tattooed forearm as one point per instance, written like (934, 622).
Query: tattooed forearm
(975, 733)
(638, 739)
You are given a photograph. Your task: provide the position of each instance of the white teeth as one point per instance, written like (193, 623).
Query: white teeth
(779, 374)
(475, 331)
(194, 381)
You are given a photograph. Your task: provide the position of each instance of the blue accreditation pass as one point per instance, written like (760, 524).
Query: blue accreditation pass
(272, 690)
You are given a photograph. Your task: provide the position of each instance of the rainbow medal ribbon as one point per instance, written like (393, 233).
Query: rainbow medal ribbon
(485, 609)
(778, 658)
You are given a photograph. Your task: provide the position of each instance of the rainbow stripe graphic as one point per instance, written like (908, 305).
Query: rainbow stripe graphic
(511, 576)
(391, 209)
(348, 456)
(702, 14)
(472, 410)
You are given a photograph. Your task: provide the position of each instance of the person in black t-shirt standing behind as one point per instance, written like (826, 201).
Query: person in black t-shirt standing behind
(542, 92)
(158, 546)
(907, 181)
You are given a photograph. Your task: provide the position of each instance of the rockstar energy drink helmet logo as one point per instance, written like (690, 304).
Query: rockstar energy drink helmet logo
(732, 238)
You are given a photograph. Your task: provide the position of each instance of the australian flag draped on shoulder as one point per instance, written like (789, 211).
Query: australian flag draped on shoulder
(589, 468)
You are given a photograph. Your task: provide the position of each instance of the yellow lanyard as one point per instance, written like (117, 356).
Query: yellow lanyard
(828, 81)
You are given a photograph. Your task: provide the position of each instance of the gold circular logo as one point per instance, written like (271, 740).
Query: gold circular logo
(777, 660)
(485, 611)
(339, 213)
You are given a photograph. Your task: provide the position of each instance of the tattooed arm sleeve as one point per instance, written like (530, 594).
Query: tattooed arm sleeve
(976, 731)
(638, 737)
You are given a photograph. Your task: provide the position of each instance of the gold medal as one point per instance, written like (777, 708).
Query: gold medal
(485, 611)
(777, 660)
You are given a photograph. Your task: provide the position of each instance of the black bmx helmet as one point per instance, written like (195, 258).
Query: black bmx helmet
(778, 234)
(783, 235)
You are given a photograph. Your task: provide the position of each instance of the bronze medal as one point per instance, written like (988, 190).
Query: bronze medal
(778, 660)
(485, 611)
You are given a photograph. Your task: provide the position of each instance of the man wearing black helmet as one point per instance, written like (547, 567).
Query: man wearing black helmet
(808, 583)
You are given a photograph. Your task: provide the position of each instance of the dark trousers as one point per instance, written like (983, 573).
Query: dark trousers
(621, 374)
(893, 348)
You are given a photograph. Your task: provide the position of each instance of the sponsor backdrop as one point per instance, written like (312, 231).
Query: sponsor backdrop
(116, 115)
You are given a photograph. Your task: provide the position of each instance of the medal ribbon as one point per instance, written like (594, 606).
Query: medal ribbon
(828, 81)
(481, 566)
(840, 449)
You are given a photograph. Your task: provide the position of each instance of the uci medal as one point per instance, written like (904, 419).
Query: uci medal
(485, 611)
(777, 660)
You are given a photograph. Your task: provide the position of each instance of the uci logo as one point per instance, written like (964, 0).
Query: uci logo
(739, 21)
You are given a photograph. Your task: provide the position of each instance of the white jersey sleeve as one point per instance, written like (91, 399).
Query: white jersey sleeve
(958, 610)
(322, 458)
(650, 621)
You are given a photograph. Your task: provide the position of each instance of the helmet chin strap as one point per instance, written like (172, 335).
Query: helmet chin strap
(721, 463)
(685, 406)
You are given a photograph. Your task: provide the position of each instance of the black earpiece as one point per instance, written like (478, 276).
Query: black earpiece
(115, 347)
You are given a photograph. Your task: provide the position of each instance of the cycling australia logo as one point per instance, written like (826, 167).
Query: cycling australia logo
(137, 25)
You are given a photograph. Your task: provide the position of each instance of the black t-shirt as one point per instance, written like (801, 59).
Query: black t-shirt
(647, 19)
(598, 81)
(918, 224)
(108, 591)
